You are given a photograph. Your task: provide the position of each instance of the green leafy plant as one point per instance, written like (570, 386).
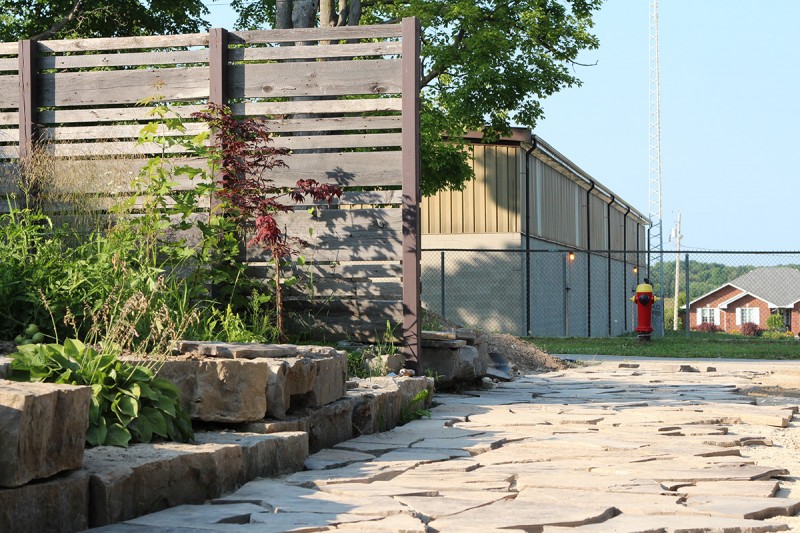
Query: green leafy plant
(412, 410)
(129, 403)
(775, 322)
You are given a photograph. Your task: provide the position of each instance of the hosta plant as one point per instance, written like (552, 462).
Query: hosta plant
(129, 403)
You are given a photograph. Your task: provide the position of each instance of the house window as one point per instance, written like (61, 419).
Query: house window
(707, 315)
(747, 314)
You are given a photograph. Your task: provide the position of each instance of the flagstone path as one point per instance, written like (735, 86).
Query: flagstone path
(615, 447)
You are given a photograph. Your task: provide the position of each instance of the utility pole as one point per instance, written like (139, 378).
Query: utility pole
(677, 272)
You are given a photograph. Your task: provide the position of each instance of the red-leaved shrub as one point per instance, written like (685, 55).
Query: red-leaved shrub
(708, 327)
(750, 329)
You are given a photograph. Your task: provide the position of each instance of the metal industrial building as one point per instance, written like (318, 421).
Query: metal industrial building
(533, 246)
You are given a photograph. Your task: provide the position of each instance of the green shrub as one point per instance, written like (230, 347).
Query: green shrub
(708, 327)
(775, 322)
(128, 402)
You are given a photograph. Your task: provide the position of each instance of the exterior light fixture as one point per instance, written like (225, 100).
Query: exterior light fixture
(571, 256)
(636, 269)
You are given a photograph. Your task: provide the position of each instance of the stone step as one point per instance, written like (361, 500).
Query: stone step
(42, 430)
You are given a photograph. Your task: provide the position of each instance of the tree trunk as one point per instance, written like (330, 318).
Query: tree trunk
(283, 14)
(354, 18)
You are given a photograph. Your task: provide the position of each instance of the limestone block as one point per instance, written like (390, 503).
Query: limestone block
(263, 455)
(220, 390)
(278, 397)
(42, 430)
(5, 367)
(330, 424)
(375, 410)
(59, 505)
(315, 379)
(451, 366)
(144, 478)
(290, 424)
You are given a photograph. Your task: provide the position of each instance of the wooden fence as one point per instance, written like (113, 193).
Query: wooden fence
(345, 99)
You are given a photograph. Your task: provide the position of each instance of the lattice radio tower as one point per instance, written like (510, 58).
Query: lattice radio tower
(655, 265)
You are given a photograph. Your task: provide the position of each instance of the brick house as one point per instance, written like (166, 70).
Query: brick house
(751, 298)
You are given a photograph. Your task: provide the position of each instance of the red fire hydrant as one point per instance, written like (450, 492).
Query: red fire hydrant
(644, 299)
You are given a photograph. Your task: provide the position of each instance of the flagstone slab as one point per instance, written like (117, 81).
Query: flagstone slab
(743, 506)
(400, 523)
(762, 489)
(630, 523)
(334, 458)
(448, 503)
(523, 515)
(199, 515)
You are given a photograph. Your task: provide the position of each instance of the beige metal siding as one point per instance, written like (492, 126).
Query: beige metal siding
(559, 206)
(598, 210)
(488, 204)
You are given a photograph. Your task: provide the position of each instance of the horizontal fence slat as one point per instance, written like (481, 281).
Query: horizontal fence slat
(343, 234)
(377, 31)
(9, 118)
(313, 52)
(140, 113)
(9, 48)
(9, 91)
(123, 59)
(100, 148)
(343, 169)
(123, 87)
(344, 289)
(328, 78)
(9, 63)
(361, 105)
(124, 43)
(359, 320)
(361, 271)
(132, 131)
(9, 135)
(9, 152)
(129, 131)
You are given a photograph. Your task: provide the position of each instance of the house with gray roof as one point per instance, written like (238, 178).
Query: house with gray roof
(751, 297)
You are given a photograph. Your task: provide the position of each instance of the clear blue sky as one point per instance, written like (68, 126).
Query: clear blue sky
(729, 116)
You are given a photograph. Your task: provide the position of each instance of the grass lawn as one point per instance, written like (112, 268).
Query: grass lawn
(675, 344)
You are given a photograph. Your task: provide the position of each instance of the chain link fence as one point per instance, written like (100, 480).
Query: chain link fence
(575, 293)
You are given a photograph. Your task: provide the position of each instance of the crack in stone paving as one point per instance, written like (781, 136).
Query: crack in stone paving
(611, 447)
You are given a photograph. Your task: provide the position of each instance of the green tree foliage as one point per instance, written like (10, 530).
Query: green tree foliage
(486, 64)
(66, 19)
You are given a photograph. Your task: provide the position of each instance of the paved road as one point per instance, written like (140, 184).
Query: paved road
(627, 447)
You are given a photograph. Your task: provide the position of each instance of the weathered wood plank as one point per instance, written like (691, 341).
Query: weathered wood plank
(9, 118)
(357, 272)
(123, 59)
(359, 320)
(124, 43)
(101, 148)
(362, 105)
(325, 288)
(317, 142)
(9, 48)
(9, 152)
(9, 91)
(343, 235)
(9, 64)
(132, 131)
(9, 135)
(123, 87)
(278, 109)
(377, 31)
(329, 78)
(279, 53)
(343, 169)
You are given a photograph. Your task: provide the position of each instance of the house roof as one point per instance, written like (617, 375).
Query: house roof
(778, 286)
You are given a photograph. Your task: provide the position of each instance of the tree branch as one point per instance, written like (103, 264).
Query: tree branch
(58, 26)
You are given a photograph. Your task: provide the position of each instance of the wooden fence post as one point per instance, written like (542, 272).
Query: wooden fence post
(218, 66)
(28, 94)
(412, 311)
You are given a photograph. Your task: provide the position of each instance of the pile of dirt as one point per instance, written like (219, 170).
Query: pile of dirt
(523, 356)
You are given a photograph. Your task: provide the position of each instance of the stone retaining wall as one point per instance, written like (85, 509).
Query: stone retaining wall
(276, 410)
